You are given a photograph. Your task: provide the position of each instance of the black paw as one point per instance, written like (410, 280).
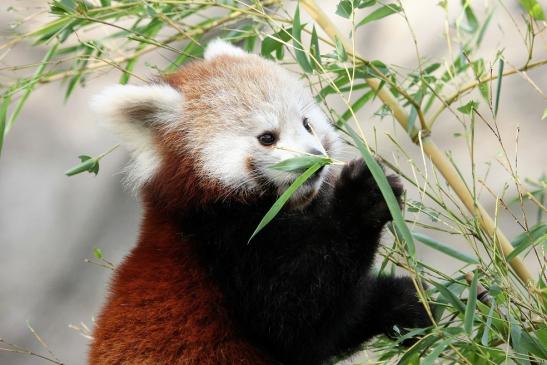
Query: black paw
(357, 193)
(413, 320)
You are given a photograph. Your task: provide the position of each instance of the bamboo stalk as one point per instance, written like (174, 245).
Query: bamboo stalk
(438, 158)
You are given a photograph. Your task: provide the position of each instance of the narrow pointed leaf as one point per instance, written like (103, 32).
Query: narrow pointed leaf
(450, 297)
(315, 53)
(380, 13)
(87, 163)
(524, 245)
(485, 339)
(299, 163)
(98, 253)
(6, 99)
(437, 350)
(469, 316)
(392, 203)
(28, 90)
(498, 86)
(444, 248)
(533, 8)
(344, 8)
(299, 53)
(359, 103)
(282, 200)
(469, 107)
(340, 51)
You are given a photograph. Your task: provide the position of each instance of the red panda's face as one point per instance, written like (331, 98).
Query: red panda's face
(234, 113)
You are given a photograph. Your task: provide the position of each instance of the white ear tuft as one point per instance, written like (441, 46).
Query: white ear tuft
(219, 47)
(134, 113)
(146, 104)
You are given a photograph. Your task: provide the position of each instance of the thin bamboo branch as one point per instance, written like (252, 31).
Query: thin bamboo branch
(438, 158)
(473, 84)
(194, 32)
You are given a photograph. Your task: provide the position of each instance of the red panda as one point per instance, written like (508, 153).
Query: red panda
(193, 291)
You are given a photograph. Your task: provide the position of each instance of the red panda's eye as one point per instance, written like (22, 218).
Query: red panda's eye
(306, 124)
(266, 139)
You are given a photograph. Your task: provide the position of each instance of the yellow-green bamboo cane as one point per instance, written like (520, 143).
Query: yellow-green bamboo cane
(438, 158)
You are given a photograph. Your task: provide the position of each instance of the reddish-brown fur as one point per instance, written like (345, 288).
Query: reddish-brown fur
(163, 307)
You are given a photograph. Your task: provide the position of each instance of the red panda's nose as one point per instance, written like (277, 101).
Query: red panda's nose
(314, 151)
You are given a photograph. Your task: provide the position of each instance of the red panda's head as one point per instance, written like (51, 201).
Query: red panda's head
(214, 128)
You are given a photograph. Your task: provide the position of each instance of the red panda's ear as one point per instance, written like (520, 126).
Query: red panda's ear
(219, 47)
(135, 114)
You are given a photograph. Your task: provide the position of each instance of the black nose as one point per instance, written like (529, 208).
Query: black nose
(313, 151)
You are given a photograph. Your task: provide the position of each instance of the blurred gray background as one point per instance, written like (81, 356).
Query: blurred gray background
(50, 223)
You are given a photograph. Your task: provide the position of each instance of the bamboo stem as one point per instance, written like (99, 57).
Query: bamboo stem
(438, 158)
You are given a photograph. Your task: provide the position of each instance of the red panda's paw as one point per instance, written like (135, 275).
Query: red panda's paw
(358, 194)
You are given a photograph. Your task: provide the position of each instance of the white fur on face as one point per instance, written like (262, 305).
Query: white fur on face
(228, 103)
(279, 104)
(132, 112)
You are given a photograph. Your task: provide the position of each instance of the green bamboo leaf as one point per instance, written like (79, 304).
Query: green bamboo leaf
(472, 22)
(516, 339)
(87, 163)
(544, 114)
(299, 53)
(541, 334)
(392, 203)
(417, 97)
(484, 28)
(6, 100)
(450, 297)
(432, 68)
(437, 350)
(469, 316)
(498, 86)
(469, 107)
(444, 248)
(333, 87)
(282, 200)
(50, 29)
(149, 32)
(411, 118)
(533, 233)
(524, 245)
(80, 70)
(98, 253)
(533, 345)
(485, 339)
(315, 53)
(300, 163)
(340, 51)
(67, 5)
(380, 13)
(30, 87)
(413, 355)
(527, 238)
(365, 3)
(276, 43)
(359, 103)
(533, 8)
(192, 50)
(344, 8)
(478, 70)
